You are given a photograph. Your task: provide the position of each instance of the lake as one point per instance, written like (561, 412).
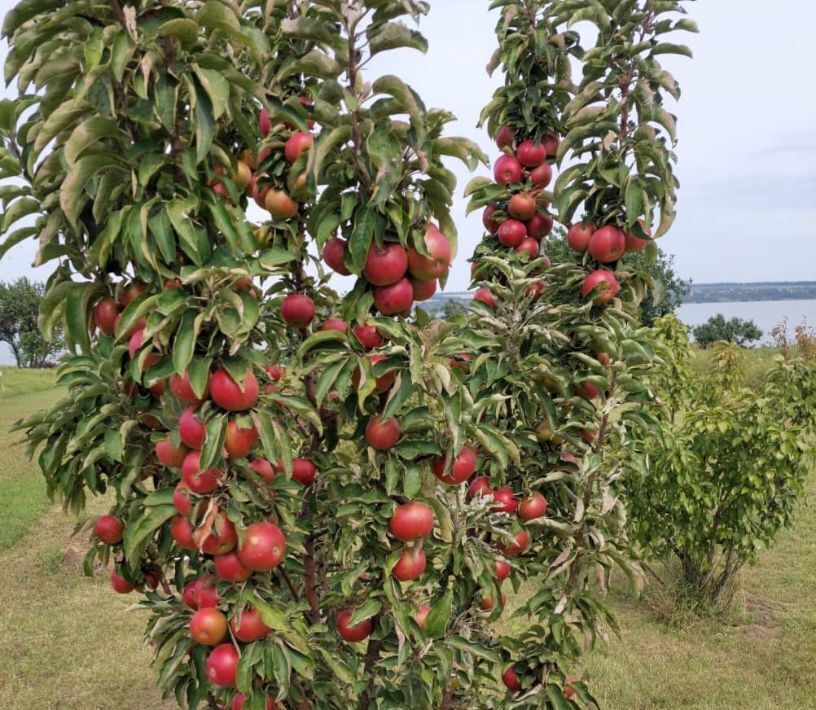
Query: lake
(766, 314)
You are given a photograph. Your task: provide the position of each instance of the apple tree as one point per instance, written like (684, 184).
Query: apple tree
(557, 350)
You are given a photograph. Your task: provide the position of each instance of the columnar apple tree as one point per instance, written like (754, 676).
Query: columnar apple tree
(317, 499)
(556, 349)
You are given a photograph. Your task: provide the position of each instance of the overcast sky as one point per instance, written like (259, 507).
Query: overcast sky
(747, 205)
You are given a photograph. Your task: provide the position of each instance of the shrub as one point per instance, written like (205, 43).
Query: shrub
(725, 475)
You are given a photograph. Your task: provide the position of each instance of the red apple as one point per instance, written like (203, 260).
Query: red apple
(505, 500)
(519, 544)
(368, 336)
(181, 530)
(541, 176)
(280, 205)
(222, 538)
(239, 441)
(539, 226)
(170, 455)
(394, 299)
(510, 679)
(297, 309)
(264, 122)
(586, 390)
(535, 289)
(208, 627)
(264, 547)
(304, 471)
(201, 593)
(296, 144)
(382, 434)
(508, 170)
(191, 430)
(551, 143)
(464, 466)
(512, 233)
(385, 265)
(480, 486)
(264, 469)
(603, 284)
(522, 206)
(232, 396)
(530, 247)
(502, 570)
(531, 154)
(132, 292)
(105, 314)
(483, 295)
(505, 137)
(356, 633)
(490, 224)
(120, 584)
(230, 568)
(410, 565)
(109, 529)
(337, 324)
(183, 391)
(533, 507)
(248, 626)
(421, 615)
(423, 290)
(579, 235)
(195, 479)
(411, 521)
(334, 254)
(181, 499)
(275, 372)
(607, 244)
(436, 264)
(222, 665)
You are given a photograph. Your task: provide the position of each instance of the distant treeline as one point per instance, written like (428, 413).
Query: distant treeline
(736, 292)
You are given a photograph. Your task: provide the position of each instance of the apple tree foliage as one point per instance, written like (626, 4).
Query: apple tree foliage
(728, 470)
(205, 400)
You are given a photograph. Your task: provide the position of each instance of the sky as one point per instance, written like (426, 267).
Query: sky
(747, 150)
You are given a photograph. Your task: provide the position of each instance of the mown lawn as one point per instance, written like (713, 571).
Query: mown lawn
(68, 642)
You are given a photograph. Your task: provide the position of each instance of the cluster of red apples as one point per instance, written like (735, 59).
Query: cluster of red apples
(605, 245)
(248, 176)
(521, 221)
(397, 276)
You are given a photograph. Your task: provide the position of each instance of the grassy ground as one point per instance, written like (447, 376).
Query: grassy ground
(68, 642)
(15, 381)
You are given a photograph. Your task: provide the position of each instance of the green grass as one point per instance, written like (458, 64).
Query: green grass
(15, 381)
(71, 643)
(23, 488)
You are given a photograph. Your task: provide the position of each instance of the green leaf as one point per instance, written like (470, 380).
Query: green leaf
(393, 35)
(216, 87)
(361, 238)
(137, 532)
(184, 344)
(78, 179)
(436, 623)
(368, 609)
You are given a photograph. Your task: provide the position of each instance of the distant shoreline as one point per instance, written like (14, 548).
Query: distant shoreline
(725, 292)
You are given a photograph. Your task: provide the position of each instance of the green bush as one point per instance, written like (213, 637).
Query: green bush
(725, 476)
